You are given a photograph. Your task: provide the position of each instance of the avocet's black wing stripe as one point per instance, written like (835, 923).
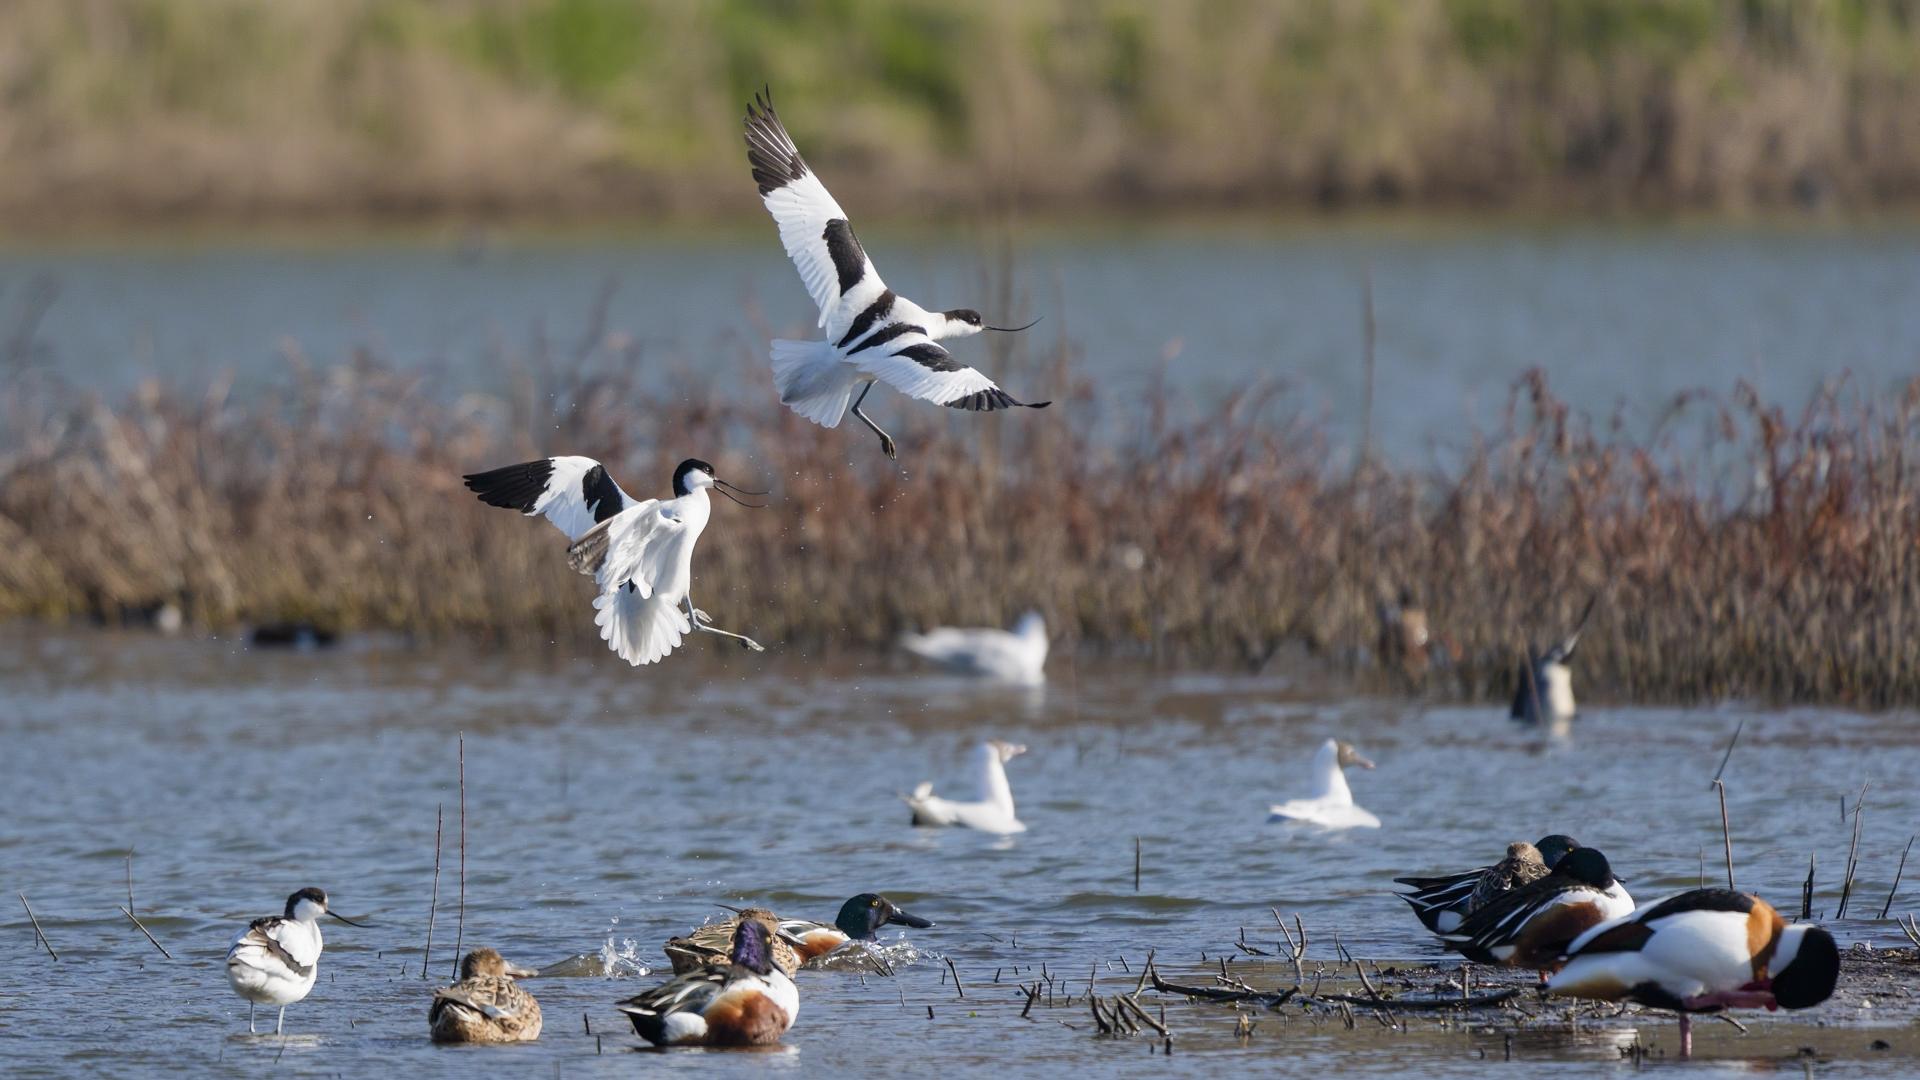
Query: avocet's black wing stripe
(862, 323)
(814, 230)
(575, 493)
(922, 369)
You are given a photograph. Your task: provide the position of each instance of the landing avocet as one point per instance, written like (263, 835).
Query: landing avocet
(639, 551)
(275, 959)
(871, 331)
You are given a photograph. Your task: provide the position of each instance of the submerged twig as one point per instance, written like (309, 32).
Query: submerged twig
(156, 941)
(37, 932)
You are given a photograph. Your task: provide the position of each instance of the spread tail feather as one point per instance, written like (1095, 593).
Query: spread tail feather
(813, 381)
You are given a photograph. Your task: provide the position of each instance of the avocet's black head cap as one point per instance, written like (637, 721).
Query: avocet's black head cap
(1587, 866)
(309, 894)
(751, 948)
(687, 467)
(1809, 976)
(965, 315)
(1554, 848)
(862, 916)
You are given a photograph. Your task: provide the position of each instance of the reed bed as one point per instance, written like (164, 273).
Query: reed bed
(1738, 549)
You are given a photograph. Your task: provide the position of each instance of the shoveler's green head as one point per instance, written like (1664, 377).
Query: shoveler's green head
(863, 916)
(1554, 848)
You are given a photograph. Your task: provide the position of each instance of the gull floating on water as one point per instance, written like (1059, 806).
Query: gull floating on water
(742, 1001)
(992, 812)
(872, 333)
(1331, 804)
(1019, 655)
(1702, 951)
(796, 941)
(275, 959)
(486, 1005)
(638, 551)
(1546, 679)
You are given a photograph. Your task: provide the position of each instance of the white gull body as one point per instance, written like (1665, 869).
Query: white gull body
(991, 812)
(1331, 803)
(1018, 656)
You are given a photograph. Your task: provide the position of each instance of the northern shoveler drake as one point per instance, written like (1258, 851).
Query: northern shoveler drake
(992, 812)
(795, 941)
(745, 1001)
(1702, 951)
(1331, 804)
(1531, 926)
(1016, 656)
(275, 959)
(486, 1005)
(1545, 690)
(1443, 902)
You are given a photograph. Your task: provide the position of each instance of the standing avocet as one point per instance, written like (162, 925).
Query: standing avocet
(871, 331)
(1018, 655)
(276, 958)
(639, 551)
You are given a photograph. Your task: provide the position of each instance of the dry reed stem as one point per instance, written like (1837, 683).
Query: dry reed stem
(156, 941)
(37, 932)
(433, 905)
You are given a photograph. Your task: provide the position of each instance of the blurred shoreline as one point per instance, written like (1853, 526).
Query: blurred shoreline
(238, 113)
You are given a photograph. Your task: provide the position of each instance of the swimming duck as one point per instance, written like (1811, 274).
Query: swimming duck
(744, 1001)
(795, 941)
(486, 1005)
(1702, 951)
(992, 812)
(1019, 655)
(1331, 804)
(1443, 902)
(275, 959)
(1545, 689)
(1532, 925)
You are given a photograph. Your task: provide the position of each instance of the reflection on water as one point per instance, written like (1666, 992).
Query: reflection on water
(609, 809)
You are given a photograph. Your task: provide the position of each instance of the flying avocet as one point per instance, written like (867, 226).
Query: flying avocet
(275, 959)
(871, 331)
(639, 551)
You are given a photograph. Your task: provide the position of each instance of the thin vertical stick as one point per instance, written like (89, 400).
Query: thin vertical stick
(37, 932)
(1726, 832)
(460, 935)
(1136, 864)
(439, 811)
(129, 882)
(1888, 906)
(1731, 743)
(1853, 855)
(1806, 892)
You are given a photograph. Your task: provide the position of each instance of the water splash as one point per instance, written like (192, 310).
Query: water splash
(620, 961)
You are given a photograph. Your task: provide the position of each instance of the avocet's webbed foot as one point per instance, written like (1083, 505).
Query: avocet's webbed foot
(702, 617)
(703, 623)
(886, 440)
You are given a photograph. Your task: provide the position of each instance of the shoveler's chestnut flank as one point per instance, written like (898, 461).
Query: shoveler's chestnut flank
(795, 941)
(1531, 926)
(1443, 902)
(1702, 951)
(745, 1001)
(486, 1005)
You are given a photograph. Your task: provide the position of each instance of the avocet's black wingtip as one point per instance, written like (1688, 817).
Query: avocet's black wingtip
(512, 487)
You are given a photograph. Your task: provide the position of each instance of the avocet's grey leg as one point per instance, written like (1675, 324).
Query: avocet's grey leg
(701, 622)
(282, 1022)
(886, 440)
(250, 1030)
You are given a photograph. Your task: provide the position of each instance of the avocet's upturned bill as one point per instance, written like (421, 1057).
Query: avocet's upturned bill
(639, 551)
(275, 959)
(871, 331)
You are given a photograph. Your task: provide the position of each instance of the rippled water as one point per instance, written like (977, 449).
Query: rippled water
(608, 809)
(1614, 313)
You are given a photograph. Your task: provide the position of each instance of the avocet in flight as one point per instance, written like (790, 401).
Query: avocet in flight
(639, 551)
(275, 959)
(872, 333)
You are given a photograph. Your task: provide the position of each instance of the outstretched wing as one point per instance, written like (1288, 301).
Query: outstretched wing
(813, 228)
(575, 493)
(633, 557)
(919, 367)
